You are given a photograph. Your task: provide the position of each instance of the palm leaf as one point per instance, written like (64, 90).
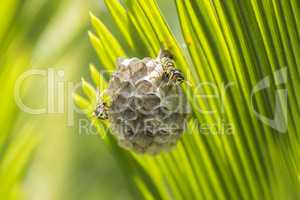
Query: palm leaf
(239, 42)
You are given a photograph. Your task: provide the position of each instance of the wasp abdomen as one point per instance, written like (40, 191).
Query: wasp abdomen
(170, 72)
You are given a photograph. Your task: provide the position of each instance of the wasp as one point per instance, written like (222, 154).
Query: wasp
(169, 71)
(101, 109)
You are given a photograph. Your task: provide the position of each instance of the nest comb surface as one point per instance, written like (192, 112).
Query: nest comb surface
(147, 114)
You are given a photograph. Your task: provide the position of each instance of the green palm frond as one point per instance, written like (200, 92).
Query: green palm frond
(238, 42)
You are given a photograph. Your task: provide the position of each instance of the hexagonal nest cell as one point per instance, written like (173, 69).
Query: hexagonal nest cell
(147, 114)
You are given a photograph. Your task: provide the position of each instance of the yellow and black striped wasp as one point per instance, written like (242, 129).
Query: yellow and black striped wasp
(170, 73)
(101, 109)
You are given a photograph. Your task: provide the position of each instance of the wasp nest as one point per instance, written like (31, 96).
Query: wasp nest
(147, 113)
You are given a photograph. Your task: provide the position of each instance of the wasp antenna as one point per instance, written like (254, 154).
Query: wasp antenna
(188, 83)
(97, 94)
(164, 52)
(162, 46)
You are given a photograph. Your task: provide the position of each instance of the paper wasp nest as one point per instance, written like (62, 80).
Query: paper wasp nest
(147, 113)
